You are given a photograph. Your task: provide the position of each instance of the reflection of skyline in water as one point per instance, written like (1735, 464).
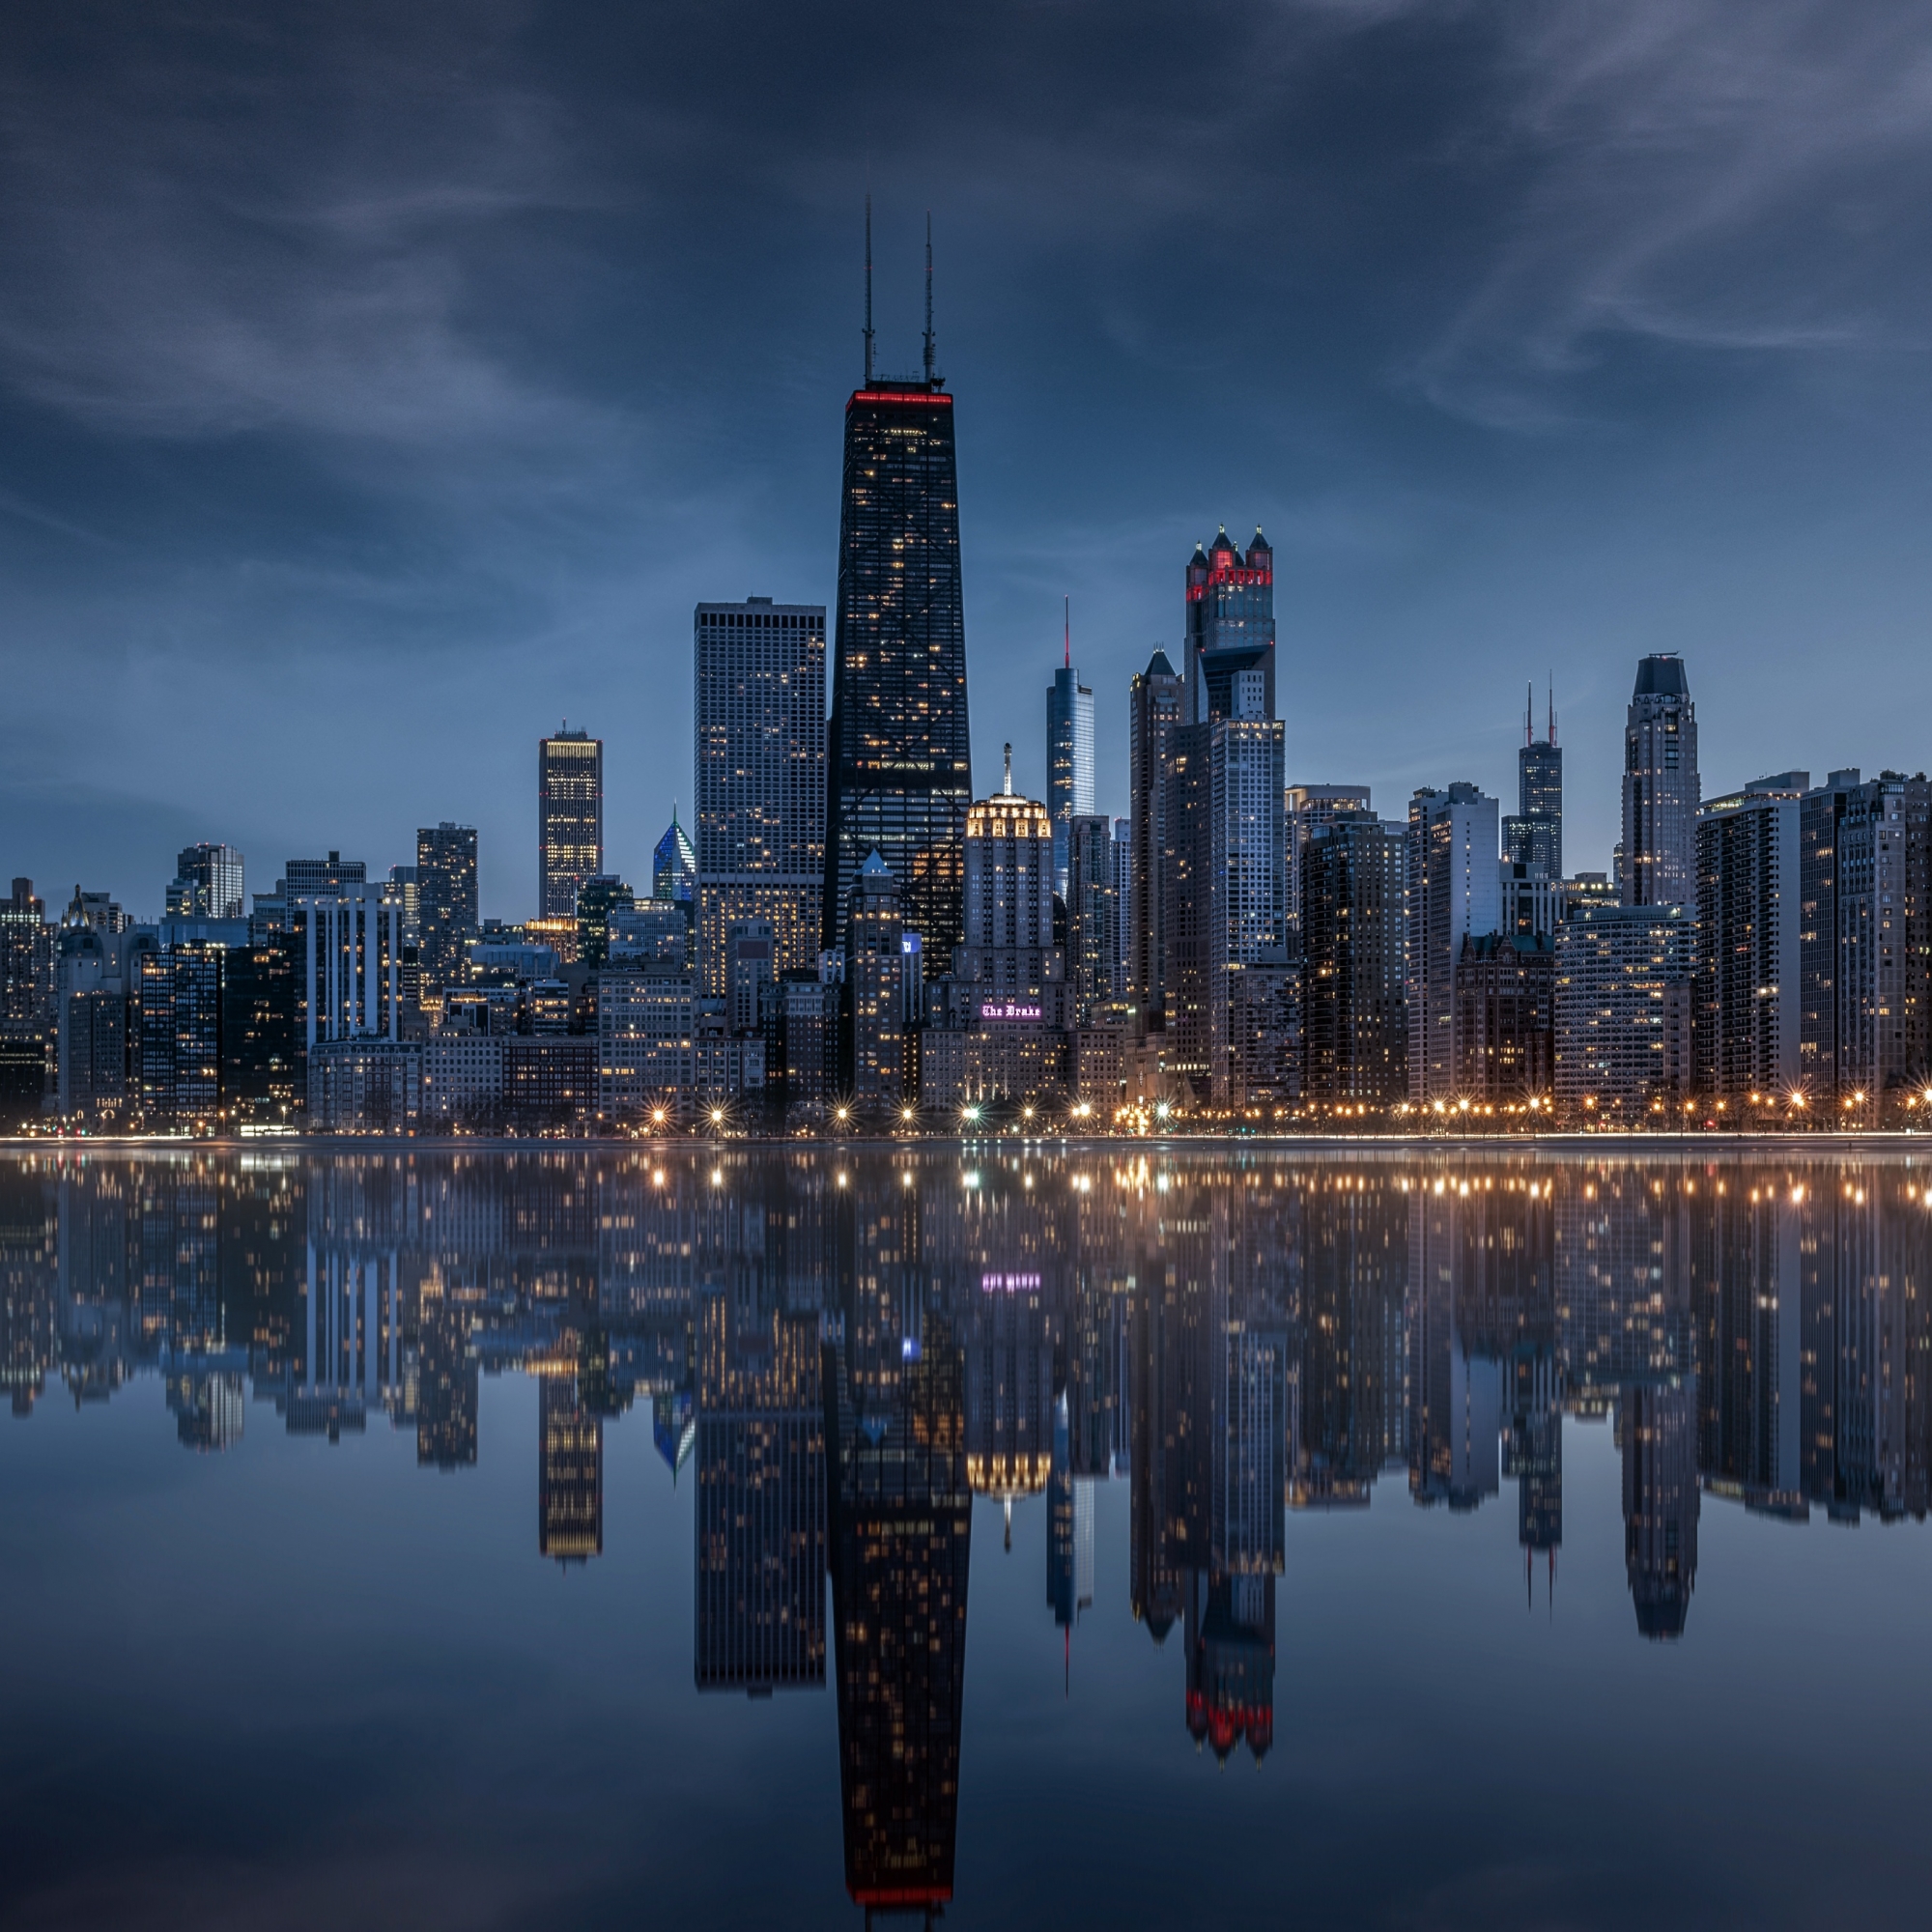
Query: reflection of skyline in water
(839, 1353)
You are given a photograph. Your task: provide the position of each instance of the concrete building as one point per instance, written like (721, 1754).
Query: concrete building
(1623, 1012)
(1506, 1018)
(1661, 787)
(447, 880)
(875, 1035)
(351, 959)
(761, 780)
(570, 818)
(1454, 893)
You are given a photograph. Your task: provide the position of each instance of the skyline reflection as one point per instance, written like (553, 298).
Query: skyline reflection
(844, 1350)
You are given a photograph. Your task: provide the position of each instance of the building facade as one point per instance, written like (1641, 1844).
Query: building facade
(1661, 787)
(1156, 707)
(761, 782)
(570, 818)
(1623, 1012)
(1070, 759)
(1354, 1044)
(1533, 834)
(208, 883)
(1097, 962)
(1453, 895)
(446, 883)
(1506, 1018)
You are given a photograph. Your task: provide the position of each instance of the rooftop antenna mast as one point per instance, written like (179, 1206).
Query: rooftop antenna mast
(868, 291)
(929, 377)
(1528, 713)
(1553, 707)
(1067, 658)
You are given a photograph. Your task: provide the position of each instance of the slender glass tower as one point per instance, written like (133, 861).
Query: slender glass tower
(899, 765)
(1069, 757)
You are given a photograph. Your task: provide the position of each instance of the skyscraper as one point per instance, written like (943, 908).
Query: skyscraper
(1229, 625)
(447, 880)
(1156, 705)
(1661, 787)
(1354, 1044)
(1623, 1008)
(1069, 757)
(1453, 895)
(900, 763)
(570, 818)
(1533, 836)
(761, 700)
(1094, 953)
(208, 883)
(876, 963)
(675, 868)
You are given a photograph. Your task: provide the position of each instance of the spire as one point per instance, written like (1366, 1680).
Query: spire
(1553, 707)
(1010, 772)
(929, 299)
(1067, 658)
(868, 291)
(1528, 713)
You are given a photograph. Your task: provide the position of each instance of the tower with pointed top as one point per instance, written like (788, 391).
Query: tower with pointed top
(1533, 835)
(899, 757)
(1069, 756)
(1662, 789)
(1230, 627)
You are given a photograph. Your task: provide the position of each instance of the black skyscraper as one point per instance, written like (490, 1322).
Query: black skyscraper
(900, 771)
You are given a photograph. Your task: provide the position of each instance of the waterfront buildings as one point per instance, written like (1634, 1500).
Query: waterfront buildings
(1748, 1000)
(1661, 787)
(875, 1035)
(1453, 895)
(761, 778)
(899, 759)
(208, 883)
(1097, 962)
(1623, 1011)
(1882, 922)
(1505, 1018)
(1230, 628)
(570, 818)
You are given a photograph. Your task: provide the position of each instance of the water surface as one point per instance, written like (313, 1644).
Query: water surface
(739, 1537)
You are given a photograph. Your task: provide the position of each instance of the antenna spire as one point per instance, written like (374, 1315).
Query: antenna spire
(929, 299)
(1553, 707)
(1067, 658)
(868, 291)
(1528, 713)
(1009, 771)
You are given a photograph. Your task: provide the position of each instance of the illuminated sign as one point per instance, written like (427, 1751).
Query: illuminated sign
(1010, 1009)
(909, 943)
(1009, 1284)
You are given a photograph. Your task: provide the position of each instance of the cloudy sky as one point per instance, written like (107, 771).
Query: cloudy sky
(381, 384)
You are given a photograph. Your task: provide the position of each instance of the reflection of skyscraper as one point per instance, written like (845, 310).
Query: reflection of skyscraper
(446, 1389)
(1231, 1661)
(569, 1473)
(1658, 1422)
(760, 1519)
(901, 1521)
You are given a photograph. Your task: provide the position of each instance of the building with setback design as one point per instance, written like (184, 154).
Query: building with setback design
(570, 818)
(1533, 834)
(1661, 787)
(899, 768)
(1454, 893)
(761, 700)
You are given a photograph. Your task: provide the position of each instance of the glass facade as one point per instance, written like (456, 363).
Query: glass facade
(900, 758)
(1229, 625)
(570, 819)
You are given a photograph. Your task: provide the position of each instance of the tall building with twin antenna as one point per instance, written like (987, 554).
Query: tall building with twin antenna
(899, 757)
(1533, 834)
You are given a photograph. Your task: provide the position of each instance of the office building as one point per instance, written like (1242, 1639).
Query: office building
(1069, 758)
(264, 1076)
(570, 818)
(750, 948)
(803, 1031)
(405, 888)
(1506, 1018)
(598, 898)
(1355, 1045)
(98, 972)
(760, 704)
(1453, 895)
(659, 1048)
(1008, 947)
(1313, 809)
(875, 960)
(1530, 901)
(1820, 817)
(899, 773)
(1097, 962)
(351, 939)
(1661, 787)
(1157, 708)
(28, 1005)
(675, 868)
(1533, 834)
(1747, 998)
(1230, 628)
(208, 884)
(1883, 925)
(446, 882)
(301, 876)
(1623, 1011)
(178, 1048)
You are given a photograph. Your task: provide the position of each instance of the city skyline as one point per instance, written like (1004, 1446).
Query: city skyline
(1475, 454)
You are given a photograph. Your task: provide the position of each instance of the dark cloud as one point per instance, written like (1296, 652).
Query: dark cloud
(379, 384)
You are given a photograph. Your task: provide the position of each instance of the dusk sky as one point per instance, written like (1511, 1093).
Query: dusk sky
(380, 386)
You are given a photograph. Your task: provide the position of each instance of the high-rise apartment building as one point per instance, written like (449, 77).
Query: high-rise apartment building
(1623, 1009)
(1311, 809)
(1354, 1043)
(1008, 947)
(1884, 925)
(1505, 1018)
(446, 882)
(1747, 999)
(1069, 758)
(1820, 818)
(570, 818)
(1661, 787)
(761, 702)
(208, 884)
(1533, 834)
(899, 767)
(1156, 704)
(1453, 895)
